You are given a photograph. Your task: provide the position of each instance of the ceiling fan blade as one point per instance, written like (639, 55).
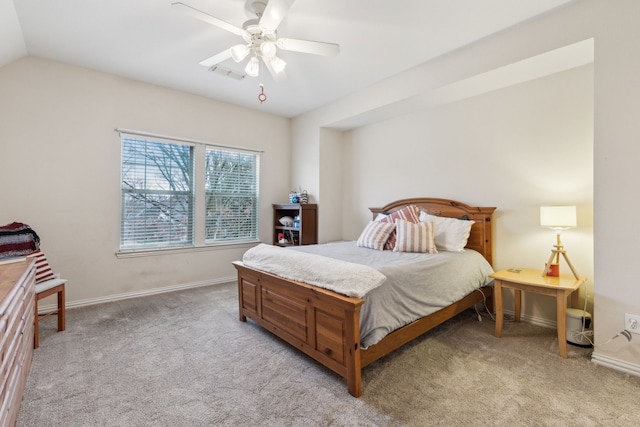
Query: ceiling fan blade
(208, 18)
(216, 59)
(274, 13)
(279, 77)
(307, 46)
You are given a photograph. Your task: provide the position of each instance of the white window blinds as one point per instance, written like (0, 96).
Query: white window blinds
(157, 194)
(231, 196)
(161, 202)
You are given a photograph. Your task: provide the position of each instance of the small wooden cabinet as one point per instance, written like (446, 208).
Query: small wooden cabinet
(17, 300)
(303, 232)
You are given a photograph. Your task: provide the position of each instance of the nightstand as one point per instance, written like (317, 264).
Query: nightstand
(522, 279)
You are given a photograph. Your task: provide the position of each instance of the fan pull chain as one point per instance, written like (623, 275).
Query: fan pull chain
(262, 96)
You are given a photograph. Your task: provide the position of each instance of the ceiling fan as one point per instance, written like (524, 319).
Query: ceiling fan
(260, 38)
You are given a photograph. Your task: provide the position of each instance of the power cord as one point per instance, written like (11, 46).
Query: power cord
(484, 298)
(587, 334)
(576, 335)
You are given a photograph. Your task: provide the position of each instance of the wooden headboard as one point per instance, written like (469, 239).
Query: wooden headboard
(481, 235)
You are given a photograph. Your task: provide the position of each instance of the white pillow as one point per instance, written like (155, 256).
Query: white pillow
(381, 216)
(450, 234)
(412, 237)
(375, 235)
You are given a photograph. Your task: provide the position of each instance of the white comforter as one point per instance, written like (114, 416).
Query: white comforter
(417, 284)
(398, 287)
(347, 278)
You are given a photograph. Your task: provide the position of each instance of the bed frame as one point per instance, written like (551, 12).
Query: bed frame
(326, 325)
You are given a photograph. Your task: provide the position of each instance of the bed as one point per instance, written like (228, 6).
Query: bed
(325, 324)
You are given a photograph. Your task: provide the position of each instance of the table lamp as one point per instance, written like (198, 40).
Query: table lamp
(558, 218)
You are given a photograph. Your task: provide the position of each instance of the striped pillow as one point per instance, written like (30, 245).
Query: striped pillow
(412, 237)
(43, 269)
(410, 213)
(375, 235)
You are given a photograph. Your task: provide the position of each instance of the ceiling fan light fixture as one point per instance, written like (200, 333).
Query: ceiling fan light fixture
(253, 67)
(239, 52)
(277, 64)
(261, 42)
(268, 49)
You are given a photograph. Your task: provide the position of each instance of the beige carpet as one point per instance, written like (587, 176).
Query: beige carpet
(184, 359)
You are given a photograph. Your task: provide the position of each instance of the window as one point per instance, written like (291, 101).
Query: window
(157, 194)
(161, 202)
(232, 196)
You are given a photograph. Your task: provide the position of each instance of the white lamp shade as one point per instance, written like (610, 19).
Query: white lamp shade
(253, 67)
(278, 64)
(268, 49)
(558, 217)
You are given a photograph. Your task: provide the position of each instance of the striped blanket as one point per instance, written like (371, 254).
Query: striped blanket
(17, 239)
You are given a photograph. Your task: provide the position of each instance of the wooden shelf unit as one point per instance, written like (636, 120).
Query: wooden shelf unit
(306, 233)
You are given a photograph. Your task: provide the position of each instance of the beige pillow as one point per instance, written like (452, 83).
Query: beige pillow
(375, 235)
(412, 237)
(409, 213)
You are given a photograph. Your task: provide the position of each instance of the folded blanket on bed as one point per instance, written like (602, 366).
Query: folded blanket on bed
(346, 278)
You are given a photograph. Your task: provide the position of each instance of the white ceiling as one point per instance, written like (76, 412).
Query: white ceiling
(149, 41)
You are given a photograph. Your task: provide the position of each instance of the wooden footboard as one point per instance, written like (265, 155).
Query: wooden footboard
(323, 324)
(326, 325)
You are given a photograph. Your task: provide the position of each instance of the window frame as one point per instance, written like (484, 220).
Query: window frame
(241, 191)
(198, 206)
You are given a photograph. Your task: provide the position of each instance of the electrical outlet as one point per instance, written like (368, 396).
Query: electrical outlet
(632, 323)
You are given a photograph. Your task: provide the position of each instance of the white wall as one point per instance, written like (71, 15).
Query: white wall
(60, 169)
(426, 85)
(514, 149)
(330, 161)
(617, 132)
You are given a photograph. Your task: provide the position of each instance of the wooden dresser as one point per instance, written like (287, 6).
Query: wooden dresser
(17, 299)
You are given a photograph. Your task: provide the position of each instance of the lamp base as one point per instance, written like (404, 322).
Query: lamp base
(553, 270)
(554, 260)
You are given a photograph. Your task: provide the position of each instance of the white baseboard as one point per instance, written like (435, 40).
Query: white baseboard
(617, 364)
(136, 294)
(538, 321)
(598, 359)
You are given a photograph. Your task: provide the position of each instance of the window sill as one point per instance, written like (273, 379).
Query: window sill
(136, 253)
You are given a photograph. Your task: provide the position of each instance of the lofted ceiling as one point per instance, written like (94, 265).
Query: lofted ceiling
(149, 41)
